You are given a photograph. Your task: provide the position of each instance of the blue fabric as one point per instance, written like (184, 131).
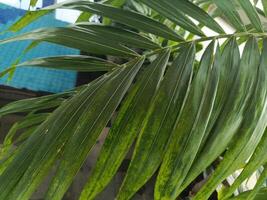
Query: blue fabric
(32, 78)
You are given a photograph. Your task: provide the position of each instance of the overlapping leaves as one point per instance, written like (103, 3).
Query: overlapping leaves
(180, 115)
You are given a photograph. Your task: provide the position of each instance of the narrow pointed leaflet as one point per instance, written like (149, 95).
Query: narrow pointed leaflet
(251, 12)
(189, 129)
(155, 133)
(126, 127)
(253, 124)
(78, 122)
(228, 109)
(84, 138)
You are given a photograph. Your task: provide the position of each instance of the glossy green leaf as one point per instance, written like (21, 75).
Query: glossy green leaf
(197, 13)
(71, 62)
(252, 127)
(128, 18)
(78, 118)
(126, 127)
(24, 158)
(259, 156)
(120, 35)
(189, 129)
(170, 9)
(92, 124)
(75, 37)
(155, 133)
(230, 103)
(195, 117)
(32, 104)
(251, 13)
(228, 8)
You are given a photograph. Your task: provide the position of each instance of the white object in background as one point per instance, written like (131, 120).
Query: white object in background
(24, 4)
(67, 15)
(61, 14)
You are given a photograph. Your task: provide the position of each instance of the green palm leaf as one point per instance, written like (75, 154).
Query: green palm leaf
(212, 145)
(126, 127)
(189, 129)
(78, 38)
(249, 134)
(86, 134)
(132, 19)
(151, 143)
(35, 104)
(188, 119)
(177, 11)
(251, 13)
(228, 9)
(70, 115)
(170, 11)
(71, 62)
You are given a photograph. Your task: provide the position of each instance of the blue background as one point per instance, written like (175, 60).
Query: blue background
(36, 79)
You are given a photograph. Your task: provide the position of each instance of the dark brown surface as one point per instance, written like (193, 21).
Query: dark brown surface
(7, 95)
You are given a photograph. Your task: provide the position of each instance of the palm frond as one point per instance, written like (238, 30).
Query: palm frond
(180, 115)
